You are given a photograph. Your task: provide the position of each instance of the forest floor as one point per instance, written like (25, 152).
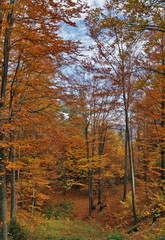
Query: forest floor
(116, 215)
(66, 216)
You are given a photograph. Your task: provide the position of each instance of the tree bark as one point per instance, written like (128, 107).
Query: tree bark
(3, 191)
(130, 152)
(138, 140)
(89, 171)
(162, 139)
(10, 21)
(163, 119)
(100, 187)
(93, 154)
(125, 168)
(3, 197)
(102, 140)
(90, 188)
(101, 149)
(34, 176)
(12, 153)
(1, 16)
(13, 174)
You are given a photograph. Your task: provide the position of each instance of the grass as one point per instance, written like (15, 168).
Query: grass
(57, 223)
(71, 230)
(60, 210)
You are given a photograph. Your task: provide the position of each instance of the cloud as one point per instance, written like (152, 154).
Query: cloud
(96, 3)
(79, 33)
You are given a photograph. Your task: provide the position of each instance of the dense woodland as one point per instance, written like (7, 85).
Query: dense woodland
(78, 119)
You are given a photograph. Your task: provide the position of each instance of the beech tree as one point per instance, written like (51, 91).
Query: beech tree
(148, 18)
(83, 100)
(30, 47)
(118, 46)
(93, 103)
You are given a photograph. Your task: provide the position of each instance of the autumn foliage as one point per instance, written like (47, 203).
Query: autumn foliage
(72, 121)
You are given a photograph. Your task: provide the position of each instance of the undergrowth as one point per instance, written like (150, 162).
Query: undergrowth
(51, 229)
(17, 232)
(60, 210)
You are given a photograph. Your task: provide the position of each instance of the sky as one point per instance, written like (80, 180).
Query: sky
(96, 3)
(79, 33)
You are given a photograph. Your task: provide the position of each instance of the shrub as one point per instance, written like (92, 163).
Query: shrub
(115, 236)
(17, 232)
(60, 210)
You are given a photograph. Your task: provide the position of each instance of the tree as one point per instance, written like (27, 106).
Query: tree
(89, 107)
(118, 48)
(28, 29)
(148, 17)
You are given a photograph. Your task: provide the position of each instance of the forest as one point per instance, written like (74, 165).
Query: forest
(82, 126)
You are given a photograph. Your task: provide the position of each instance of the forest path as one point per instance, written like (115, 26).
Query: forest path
(110, 216)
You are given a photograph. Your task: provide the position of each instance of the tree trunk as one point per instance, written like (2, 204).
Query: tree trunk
(163, 119)
(100, 188)
(33, 196)
(3, 191)
(138, 140)
(130, 152)
(1, 16)
(13, 174)
(34, 177)
(93, 154)
(13, 192)
(162, 139)
(132, 171)
(10, 21)
(131, 138)
(125, 168)
(89, 171)
(3, 197)
(12, 154)
(101, 147)
(100, 152)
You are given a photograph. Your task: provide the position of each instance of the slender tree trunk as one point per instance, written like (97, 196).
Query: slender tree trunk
(132, 172)
(89, 171)
(3, 197)
(24, 135)
(138, 140)
(130, 152)
(10, 21)
(125, 168)
(12, 154)
(100, 152)
(100, 187)
(101, 146)
(3, 191)
(91, 190)
(19, 187)
(93, 154)
(33, 196)
(163, 119)
(131, 138)
(1, 16)
(90, 193)
(34, 177)
(162, 139)
(145, 177)
(13, 192)
(19, 157)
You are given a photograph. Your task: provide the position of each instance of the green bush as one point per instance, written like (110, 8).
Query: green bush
(72, 238)
(60, 210)
(17, 232)
(115, 236)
